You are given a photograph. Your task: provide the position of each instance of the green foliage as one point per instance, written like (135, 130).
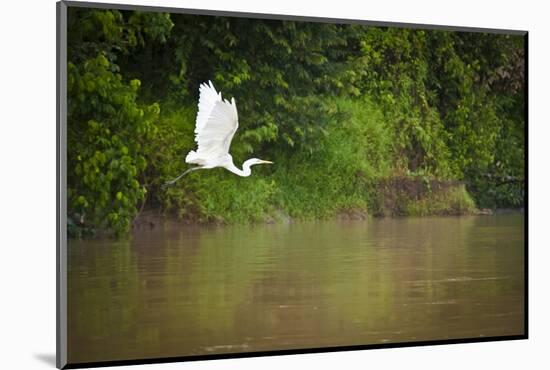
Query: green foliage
(108, 130)
(391, 66)
(226, 198)
(355, 151)
(456, 103)
(113, 33)
(279, 71)
(450, 201)
(305, 185)
(107, 133)
(483, 111)
(340, 109)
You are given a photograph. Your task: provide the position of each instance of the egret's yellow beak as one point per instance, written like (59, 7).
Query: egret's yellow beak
(267, 162)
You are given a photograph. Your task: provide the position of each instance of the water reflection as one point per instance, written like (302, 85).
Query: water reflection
(191, 290)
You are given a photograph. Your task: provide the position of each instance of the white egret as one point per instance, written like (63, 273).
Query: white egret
(217, 121)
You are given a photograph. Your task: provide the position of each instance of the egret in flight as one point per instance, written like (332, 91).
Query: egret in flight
(217, 122)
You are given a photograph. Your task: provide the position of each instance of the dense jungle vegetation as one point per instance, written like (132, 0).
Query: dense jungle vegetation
(378, 119)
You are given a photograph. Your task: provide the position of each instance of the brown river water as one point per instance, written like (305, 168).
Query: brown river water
(184, 291)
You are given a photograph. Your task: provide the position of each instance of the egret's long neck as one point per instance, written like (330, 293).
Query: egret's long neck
(245, 172)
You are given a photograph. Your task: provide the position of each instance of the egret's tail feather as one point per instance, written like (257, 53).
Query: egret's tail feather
(193, 158)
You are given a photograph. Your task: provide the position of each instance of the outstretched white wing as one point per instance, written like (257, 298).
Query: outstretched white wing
(217, 121)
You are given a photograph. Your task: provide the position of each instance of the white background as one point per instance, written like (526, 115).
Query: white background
(27, 182)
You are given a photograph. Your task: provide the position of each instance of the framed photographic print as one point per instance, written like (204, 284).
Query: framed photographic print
(234, 184)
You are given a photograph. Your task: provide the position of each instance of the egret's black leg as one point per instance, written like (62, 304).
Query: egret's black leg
(180, 176)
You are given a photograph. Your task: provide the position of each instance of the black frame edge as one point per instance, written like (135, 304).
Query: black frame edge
(303, 351)
(526, 169)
